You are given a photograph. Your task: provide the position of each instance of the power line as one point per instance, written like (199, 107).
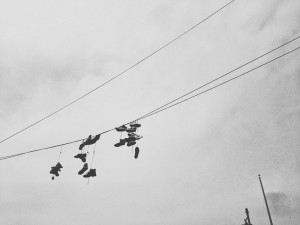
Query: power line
(255, 68)
(237, 68)
(118, 75)
(243, 74)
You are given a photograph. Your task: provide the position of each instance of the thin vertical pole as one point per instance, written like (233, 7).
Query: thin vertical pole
(262, 188)
(248, 217)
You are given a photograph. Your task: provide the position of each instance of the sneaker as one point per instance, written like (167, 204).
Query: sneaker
(138, 137)
(136, 125)
(131, 129)
(121, 128)
(92, 141)
(131, 143)
(84, 168)
(58, 165)
(122, 142)
(136, 152)
(85, 142)
(91, 173)
(131, 138)
(81, 146)
(54, 171)
(81, 156)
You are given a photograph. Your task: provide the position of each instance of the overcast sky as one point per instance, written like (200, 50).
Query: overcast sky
(199, 161)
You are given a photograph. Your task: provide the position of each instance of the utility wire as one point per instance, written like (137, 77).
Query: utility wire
(247, 63)
(243, 74)
(118, 75)
(255, 68)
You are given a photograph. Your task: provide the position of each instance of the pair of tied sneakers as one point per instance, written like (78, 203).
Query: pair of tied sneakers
(91, 173)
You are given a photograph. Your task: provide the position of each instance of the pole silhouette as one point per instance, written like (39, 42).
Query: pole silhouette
(262, 188)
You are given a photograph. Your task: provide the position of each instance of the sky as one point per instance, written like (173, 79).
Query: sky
(199, 161)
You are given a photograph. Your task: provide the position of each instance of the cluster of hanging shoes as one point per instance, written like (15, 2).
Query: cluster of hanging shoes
(130, 140)
(132, 137)
(82, 156)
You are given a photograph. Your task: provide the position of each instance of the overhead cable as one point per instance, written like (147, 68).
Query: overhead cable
(243, 74)
(226, 74)
(170, 106)
(118, 75)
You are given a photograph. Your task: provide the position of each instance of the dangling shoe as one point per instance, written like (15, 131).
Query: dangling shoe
(136, 152)
(136, 125)
(54, 171)
(131, 130)
(84, 168)
(122, 142)
(91, 173)
(81, 146)
(138, 137)
(85, 142)
(131, 143)
(121, 128)
(131, 138)
(91, 141)
(81, 156)
(59, 166)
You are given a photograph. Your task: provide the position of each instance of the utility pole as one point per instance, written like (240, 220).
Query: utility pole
(262, 188)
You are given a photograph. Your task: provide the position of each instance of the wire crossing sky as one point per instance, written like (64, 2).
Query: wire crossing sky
(274, 49)
(118, 75)
(189, 98)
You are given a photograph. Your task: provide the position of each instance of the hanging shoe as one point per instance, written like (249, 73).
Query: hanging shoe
(136, 152)
(81, 146)
(85, 142)
(131, 143)
(121, 128)
(84, 168)
(136, 125)
(131, 129)
(91, 173)
(81, 156)
(122, 142)
(54, 171)
(138, 137)
(131, 138)
(58, 165)
(93, 141)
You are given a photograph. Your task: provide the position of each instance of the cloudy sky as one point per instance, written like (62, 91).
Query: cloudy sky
(199, 161)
